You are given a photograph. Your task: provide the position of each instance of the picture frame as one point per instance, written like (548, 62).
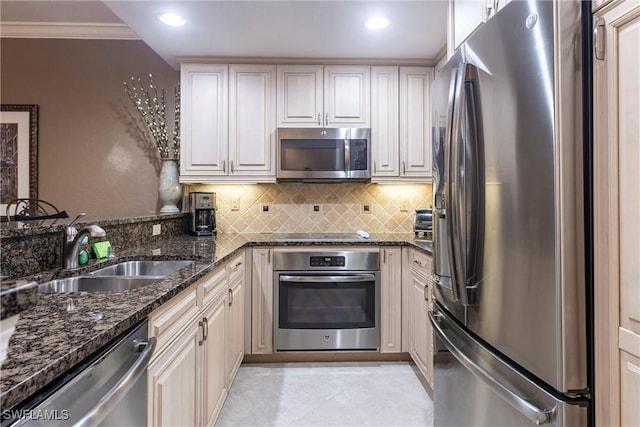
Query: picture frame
(18, 154)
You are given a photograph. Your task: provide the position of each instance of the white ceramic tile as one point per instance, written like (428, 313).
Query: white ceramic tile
(327, 394)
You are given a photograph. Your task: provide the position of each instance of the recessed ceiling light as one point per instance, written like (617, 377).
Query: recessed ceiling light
(377, 23)
(172, 19)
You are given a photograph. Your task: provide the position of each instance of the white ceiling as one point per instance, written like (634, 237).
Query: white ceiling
(281, 29)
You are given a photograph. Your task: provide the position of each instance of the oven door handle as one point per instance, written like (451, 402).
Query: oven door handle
(329, 279)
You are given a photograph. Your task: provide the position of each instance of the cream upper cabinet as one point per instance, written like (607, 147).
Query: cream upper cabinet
(347, 90)
(391, 300)
(252, 120)
(467, 16)
(385, 134)
(204, 125)
(228, 123)
(415, 123)
(262, 301)
(323, 96)
(617, 212)
(300, 96)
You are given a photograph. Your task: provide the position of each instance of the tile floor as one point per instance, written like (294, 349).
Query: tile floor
(327, 394)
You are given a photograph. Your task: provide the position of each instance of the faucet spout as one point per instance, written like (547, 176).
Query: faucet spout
(73, 240)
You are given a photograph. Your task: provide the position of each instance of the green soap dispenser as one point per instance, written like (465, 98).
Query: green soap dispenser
(83, 257)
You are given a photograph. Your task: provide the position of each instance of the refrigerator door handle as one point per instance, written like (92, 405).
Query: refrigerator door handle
(454, 235)
(537, 415)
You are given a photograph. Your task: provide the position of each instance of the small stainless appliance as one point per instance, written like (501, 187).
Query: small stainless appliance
(326, 300)
(201, 220)
(331, 154)
(423, 224)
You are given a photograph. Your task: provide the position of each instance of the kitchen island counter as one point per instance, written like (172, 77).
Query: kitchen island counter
(62, 330)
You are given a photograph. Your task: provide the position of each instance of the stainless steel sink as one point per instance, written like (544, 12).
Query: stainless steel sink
(95, 284)
(142, 268)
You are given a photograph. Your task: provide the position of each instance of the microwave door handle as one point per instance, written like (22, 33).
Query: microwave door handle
(347, 157)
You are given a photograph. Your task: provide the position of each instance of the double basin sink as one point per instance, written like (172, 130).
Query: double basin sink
(119, 277)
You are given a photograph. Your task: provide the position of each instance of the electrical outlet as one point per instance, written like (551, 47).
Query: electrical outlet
(265, 208)
(157, 230)
(365, 208)
(404, 205)
(235, 204)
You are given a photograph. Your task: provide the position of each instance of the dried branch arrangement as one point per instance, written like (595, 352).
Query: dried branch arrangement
(151, 105)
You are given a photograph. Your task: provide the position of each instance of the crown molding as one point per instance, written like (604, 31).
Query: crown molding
(417, 62)
(66, 30)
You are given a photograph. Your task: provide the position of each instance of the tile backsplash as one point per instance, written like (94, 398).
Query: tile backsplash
(317, 208)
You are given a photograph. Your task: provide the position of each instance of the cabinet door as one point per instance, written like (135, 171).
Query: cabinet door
(391, 301)
(467, 16)
(299, 100)
(385, 143)
(174, 381)
(617, 213)
(213, 374)
(415, 121)
(252, 120)
(346, 96)
(262, 301)
(418, 329)
(235, 340)
(204, 122)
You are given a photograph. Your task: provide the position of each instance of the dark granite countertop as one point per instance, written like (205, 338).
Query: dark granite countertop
(49, 340)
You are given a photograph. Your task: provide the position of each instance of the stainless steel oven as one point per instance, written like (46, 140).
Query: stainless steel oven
(326, 300)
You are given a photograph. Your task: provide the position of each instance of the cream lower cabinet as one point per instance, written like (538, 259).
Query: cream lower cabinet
(200, 346)
(390, 300)
(262, 301)
(235, 341)
(174, 383)
(417, 303)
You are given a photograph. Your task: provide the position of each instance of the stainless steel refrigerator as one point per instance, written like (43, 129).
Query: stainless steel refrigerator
(510, 314)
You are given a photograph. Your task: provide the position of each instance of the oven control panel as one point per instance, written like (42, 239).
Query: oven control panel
(326, 261)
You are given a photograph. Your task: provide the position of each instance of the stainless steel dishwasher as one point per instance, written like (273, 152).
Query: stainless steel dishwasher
(108, 390)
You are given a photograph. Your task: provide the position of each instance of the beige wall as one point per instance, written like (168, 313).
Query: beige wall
(93, 156)
(291, 207)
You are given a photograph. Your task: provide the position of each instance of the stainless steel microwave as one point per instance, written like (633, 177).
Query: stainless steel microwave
(330, 154)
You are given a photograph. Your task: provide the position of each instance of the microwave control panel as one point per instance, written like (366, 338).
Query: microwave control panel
(358, 155)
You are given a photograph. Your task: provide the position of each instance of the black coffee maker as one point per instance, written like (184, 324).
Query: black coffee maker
(201, 220)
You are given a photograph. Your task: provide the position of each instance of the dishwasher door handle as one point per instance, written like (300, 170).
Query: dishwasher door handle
(117, 392)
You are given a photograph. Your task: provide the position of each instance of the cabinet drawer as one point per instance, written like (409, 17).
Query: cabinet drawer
(235, 266)
(211, 285)
(420, 263)
(167, 322)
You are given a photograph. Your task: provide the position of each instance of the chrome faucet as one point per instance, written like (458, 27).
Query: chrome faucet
(74, 238)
